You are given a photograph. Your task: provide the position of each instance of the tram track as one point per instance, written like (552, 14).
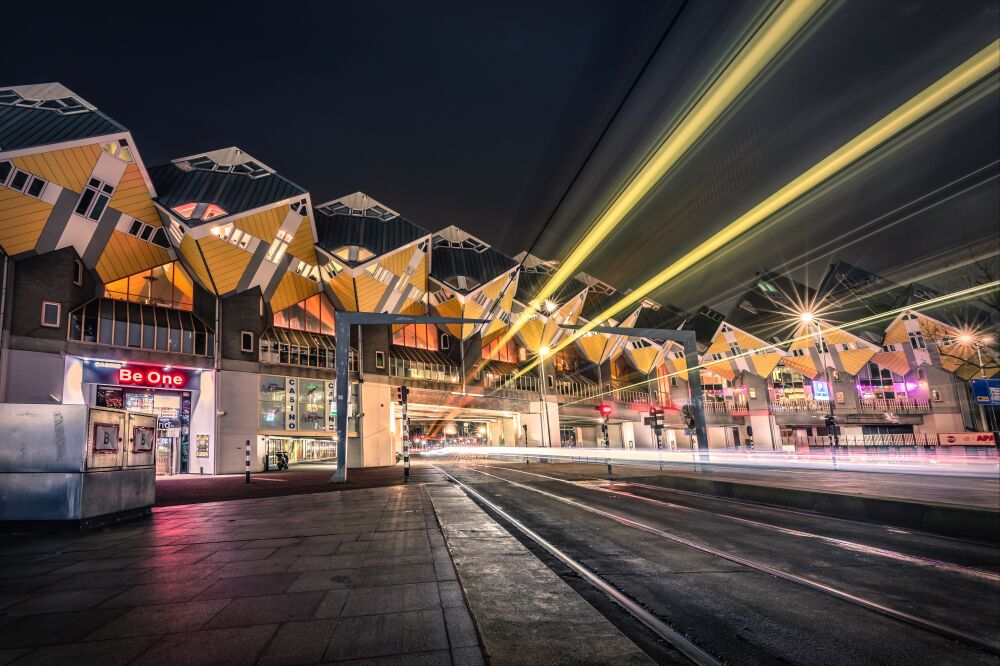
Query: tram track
(923, 623)
(853, 546)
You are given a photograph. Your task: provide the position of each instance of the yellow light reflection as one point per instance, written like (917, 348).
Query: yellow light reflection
(773, 36)
(970, 72)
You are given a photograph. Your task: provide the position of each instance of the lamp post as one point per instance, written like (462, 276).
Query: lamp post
(808, 318)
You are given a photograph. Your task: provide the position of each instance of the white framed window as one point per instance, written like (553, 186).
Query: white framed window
(278, 247)
(51, 314)
(917, 340)
(94, 199)
(445, 341)
(246, 341)
(379, 272)
(22, 181)
(78, 272)
(936, 395)
(673, 381)
(380, 360)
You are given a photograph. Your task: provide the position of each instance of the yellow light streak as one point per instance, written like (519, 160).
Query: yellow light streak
(954, 296)
(773, 36)
(970, 72)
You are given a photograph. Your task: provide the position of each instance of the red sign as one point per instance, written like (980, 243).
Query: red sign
(150, 376)
(966, 439)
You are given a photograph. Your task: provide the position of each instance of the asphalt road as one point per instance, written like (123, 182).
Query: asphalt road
(694, 561)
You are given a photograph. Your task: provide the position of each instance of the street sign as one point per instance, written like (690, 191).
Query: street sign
(821, 391)
(986, 391)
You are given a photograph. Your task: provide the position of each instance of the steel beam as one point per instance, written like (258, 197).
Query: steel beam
(342, 333)
(687, 340)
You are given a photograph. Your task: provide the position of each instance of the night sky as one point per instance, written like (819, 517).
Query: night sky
(449, 112)
(481, 116)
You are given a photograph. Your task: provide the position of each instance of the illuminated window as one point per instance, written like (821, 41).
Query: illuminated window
(94, 199)
(419, 336)
(313, 315)
(185, 210)
(212, 211)
(118, 149)
(199, 211)
(353, 253)
(495, 351)
(278, 247)
(167, 285)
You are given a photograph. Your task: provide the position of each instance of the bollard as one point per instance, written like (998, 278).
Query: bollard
(248, 460)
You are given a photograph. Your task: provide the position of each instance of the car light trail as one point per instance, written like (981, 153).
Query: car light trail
(932, 98)
(786, 22)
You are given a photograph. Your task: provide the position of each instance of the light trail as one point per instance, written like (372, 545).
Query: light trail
(786, 22)
(932, 98)
(845, 240)
(954, 296)
(951, 464)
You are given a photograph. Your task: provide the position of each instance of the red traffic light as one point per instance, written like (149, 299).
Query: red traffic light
(604, 409)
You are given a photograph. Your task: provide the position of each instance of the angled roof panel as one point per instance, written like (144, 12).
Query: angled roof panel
(47, 114)
(359, 220)
(228, 178)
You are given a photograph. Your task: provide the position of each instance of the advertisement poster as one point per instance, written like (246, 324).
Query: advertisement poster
(201, 442)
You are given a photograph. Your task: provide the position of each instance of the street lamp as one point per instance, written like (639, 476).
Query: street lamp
(542, 353)
(808, 318)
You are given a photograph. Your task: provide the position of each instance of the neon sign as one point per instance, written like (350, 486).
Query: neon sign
(150, 377)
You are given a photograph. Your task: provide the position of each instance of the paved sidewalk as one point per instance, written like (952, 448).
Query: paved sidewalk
(525, 613)
(333, 577)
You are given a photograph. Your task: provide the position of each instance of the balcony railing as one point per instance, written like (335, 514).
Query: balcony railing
(725, 407)
(781, 406)
(510, 382)
(428, 372)
(879, 406)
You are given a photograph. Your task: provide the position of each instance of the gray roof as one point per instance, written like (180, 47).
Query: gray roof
(482, 265)
(32, 116)
(335, 230)
(197, 180)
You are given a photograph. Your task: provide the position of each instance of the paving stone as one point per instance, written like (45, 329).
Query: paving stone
(467, 656)
(216, 646)
(158, 593)
(299, 643)
(8, 656)
(390, 634)
(106, 653)
(240, 555)
(392, 599)
(247, 611)
(63, 600)
(161, 618)
(461, 630)
(249, 586)
(32, 630)
(451, 594)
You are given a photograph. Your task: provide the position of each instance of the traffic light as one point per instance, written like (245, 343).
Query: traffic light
(655, 419)
(688, 415)
(401, 394)
(605, 411)
(831, 422)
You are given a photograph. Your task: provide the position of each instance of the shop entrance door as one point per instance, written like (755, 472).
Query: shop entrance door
(164, 455)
